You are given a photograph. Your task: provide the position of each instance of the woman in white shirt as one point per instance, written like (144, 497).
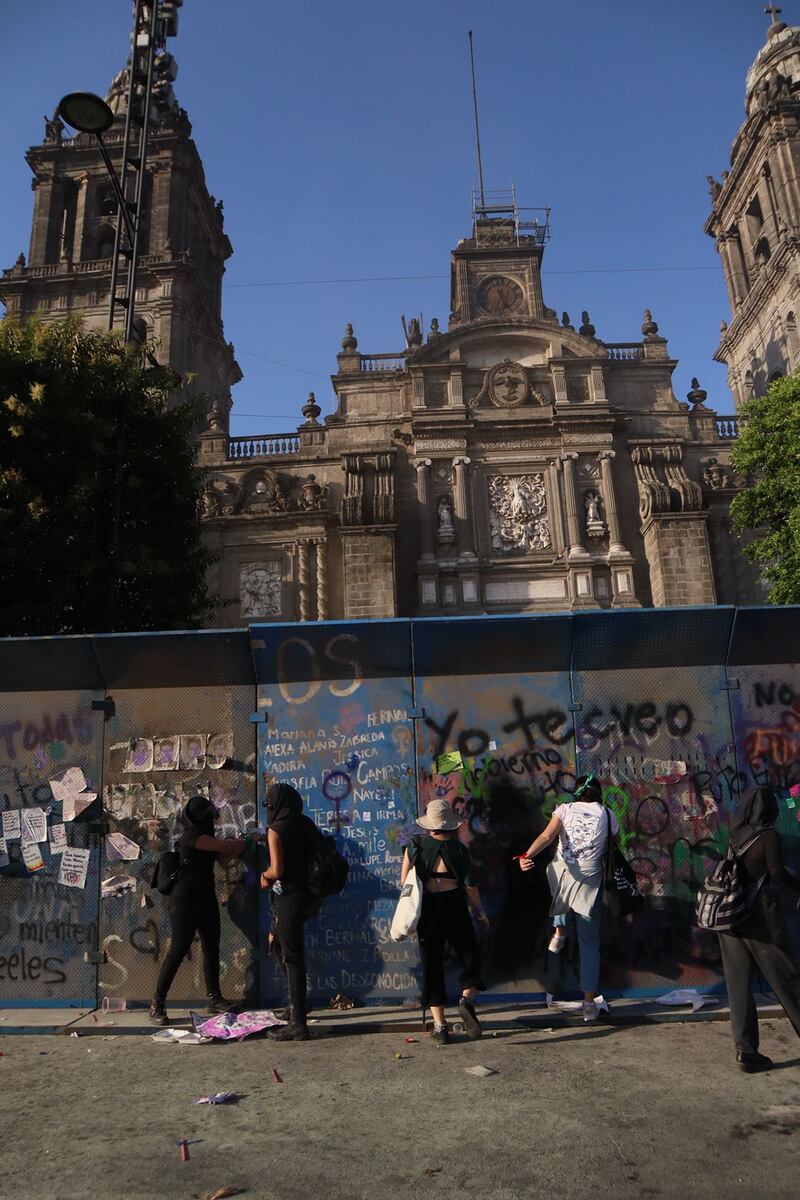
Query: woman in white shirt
(576, 873)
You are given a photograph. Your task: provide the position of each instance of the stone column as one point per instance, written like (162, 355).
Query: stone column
(614, 534)
(423, 468)
(322, 580)
(557, 519)
(727, 270)
(302, 578)
(597, 384)
(576, 549)
(560, 385)
(80, 219)
(463, 524)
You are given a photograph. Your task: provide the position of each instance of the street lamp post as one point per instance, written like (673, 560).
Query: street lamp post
(151, 70)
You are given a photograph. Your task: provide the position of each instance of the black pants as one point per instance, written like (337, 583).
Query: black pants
(191, 912)
(760, 945)
(445, 919)
(292, 909)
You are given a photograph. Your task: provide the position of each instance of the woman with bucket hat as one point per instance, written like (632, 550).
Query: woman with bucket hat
(444, 868)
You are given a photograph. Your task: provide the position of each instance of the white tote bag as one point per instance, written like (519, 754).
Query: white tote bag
(409, 907)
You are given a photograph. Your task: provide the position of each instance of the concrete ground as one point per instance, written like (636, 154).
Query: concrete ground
(627, 1111)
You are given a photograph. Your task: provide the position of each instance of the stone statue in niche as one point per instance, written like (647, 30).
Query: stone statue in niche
(446, 530)
(312, 495)
(595, 526)
(263, 494)
(518, 513)
(260, 589)
(715, 476)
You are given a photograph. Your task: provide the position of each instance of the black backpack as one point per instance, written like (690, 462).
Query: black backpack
(166, 872)
(327, 868)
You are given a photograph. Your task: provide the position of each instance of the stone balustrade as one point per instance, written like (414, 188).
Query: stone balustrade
(269, 445)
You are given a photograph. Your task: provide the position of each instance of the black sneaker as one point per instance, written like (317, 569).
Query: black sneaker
(472, 1026)
(441, 1036)
(751, 1061)
(295, 1031)
(158, 1014)
(218, 1004)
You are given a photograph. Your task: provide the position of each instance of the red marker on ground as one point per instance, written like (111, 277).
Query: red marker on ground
(276, 1076)
(184, 1148)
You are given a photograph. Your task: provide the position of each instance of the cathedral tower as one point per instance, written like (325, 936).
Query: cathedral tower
(184, 245)
(756, 221)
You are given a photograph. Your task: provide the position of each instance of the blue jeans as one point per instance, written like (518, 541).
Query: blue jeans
(588, 930)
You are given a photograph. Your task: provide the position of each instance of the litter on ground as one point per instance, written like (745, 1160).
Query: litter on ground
(686, 996)
(481, 1072)
(231, 1026)
(218, 1098)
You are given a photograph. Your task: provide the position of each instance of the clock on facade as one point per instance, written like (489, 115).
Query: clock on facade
(499, 295)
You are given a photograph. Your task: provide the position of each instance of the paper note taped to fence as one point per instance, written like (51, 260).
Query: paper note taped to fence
(34, 825)
(58, 839)
(4, 860)
(449, 762)
(32, 857)
(74, 866)
(119, 847)
(12, 826)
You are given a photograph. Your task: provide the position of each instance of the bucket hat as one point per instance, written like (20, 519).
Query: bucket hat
(440, 817)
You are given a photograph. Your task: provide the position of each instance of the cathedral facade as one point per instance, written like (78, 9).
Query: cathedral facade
(511, 460)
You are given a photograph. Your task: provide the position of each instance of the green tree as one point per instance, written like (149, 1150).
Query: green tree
(71, 488)
(767, 454)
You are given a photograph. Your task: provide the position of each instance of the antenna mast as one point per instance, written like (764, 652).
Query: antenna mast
(477, 127)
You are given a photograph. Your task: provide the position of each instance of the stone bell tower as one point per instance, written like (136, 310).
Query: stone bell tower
(184, 245)
(755, 221)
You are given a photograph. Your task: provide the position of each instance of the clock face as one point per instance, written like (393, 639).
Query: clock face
(499, 295)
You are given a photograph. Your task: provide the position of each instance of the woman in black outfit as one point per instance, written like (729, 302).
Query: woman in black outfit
(290, 839)
(192, 904)
(444, 868)
(760, 943)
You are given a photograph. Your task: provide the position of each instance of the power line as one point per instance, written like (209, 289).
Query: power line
(406, 278)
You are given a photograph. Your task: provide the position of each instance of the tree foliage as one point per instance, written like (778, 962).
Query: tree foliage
(767, 454)
(65, 393)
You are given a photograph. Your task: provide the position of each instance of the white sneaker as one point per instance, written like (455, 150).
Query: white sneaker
(590, 1011)
(557, 941)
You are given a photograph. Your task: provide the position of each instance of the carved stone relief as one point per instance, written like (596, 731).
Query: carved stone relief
(313, 497)
(443, 472)
(675, 492)
(715, 476)
(518, 513)
(260, 589)
(261, 493)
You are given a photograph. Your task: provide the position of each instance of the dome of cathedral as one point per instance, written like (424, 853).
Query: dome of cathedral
(777, 60)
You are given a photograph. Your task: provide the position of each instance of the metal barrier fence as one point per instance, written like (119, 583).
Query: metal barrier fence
(677, 711)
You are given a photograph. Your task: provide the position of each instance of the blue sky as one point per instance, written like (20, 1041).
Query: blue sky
(339, 136)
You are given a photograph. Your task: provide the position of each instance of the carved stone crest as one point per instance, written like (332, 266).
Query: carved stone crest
(507, 384)
(263, 494)
(518, 508)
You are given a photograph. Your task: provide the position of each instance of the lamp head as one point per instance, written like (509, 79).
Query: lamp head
(86, 112)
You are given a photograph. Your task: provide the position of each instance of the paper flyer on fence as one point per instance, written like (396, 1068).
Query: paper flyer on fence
(34, 825)
(12, 826)
(74, 866)
(32, 856)
(119, 847)
(4, 859)
(58, 839)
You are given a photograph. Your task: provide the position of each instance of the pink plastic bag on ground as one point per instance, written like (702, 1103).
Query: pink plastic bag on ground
(231, 1026)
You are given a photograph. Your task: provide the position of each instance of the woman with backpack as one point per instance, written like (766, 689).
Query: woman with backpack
(576, 875)
(291, 838)
(760, 943)
(444, 868)
(192, 903)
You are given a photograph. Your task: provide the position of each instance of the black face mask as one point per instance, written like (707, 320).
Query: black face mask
(282, 803)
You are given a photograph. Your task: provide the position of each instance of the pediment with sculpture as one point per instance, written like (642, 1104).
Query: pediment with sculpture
(262, 493)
